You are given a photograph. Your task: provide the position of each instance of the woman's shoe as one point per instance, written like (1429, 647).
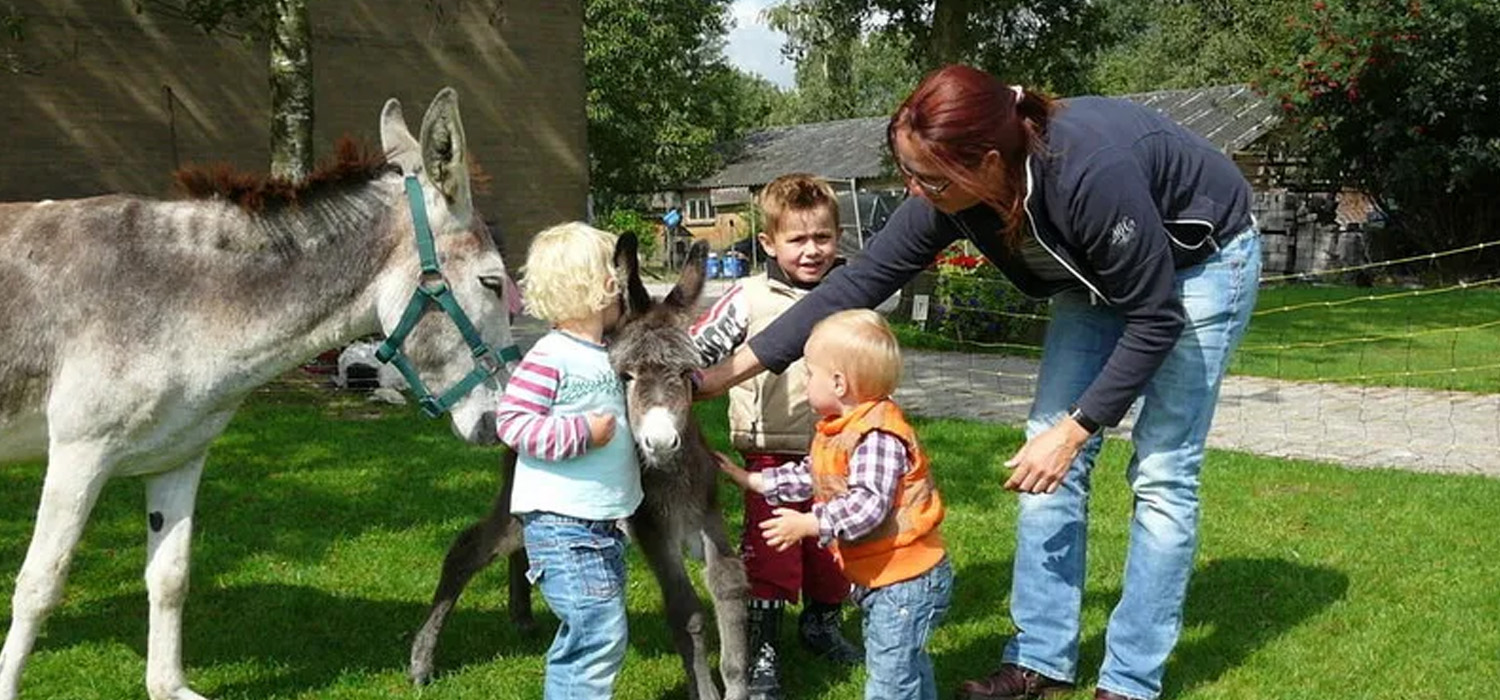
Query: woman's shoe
(1013, 682)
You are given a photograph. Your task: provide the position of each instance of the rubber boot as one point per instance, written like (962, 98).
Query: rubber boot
(819, 629)
(765, 627)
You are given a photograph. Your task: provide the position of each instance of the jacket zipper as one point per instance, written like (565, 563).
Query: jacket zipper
(1031, 223)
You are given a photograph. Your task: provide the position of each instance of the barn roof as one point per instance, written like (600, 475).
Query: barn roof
(1230, 116)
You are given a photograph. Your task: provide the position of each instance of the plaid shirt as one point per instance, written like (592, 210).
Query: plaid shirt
(877, 464)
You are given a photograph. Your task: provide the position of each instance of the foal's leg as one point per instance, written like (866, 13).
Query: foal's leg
(75, 475)
(663, 550)
(169, 512)
(730, 588)
(498, 534)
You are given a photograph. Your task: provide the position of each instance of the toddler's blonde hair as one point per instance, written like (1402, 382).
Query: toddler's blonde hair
(570, 273)
(859, 343)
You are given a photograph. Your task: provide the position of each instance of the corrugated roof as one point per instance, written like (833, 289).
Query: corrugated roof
(838, 149)
(1230, 116)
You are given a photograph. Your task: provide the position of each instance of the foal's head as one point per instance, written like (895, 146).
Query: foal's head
(652, 353)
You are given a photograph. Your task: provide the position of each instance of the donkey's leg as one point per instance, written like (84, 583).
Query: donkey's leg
(663, 550)
(498, 534)
(75, 475)
(730, 588)
(170, 497)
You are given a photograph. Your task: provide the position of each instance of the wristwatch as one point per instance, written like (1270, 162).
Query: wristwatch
(1089, 424)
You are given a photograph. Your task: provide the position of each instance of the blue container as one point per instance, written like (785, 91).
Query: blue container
(733, 266)
(711, 265)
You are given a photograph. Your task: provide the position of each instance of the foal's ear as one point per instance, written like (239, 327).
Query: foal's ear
(445, 153)
(396, 140)
(628, 267)
(690, 282)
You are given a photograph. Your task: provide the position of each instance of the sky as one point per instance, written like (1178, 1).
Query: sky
(755, 48)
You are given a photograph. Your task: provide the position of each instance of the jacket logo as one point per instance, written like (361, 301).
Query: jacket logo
(1123, 231)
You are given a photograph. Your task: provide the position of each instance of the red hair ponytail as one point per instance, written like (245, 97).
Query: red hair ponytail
(957, 114)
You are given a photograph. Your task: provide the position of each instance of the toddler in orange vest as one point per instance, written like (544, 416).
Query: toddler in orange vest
(875, 505)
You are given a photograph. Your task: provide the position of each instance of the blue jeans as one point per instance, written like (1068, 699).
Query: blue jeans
(898, 620)
(580, 567)
(1176, 408)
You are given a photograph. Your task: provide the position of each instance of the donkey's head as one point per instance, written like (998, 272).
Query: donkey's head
(652, 352)
(469, 262)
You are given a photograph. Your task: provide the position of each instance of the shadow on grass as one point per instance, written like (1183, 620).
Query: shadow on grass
(1243, 603)
(1247, 603)
(312, 639)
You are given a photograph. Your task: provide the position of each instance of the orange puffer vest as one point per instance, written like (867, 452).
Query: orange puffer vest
(907, 543)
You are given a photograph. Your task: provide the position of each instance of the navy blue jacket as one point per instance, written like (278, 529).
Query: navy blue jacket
(1121, 195)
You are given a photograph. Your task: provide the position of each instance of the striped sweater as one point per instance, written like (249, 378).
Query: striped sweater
(543, 417)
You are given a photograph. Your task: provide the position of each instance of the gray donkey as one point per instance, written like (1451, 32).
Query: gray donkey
(131, 329)
(650, 349)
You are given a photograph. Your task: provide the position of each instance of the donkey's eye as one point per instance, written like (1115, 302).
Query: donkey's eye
(627, 377)
(494, 283)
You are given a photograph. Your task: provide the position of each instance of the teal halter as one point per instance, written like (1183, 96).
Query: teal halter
(432, 288)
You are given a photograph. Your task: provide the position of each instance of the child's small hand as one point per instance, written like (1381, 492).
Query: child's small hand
(746, 480)
(601, 428)
(738, 475)
(788, 528)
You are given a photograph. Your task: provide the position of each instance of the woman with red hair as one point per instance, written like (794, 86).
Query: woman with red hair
(1140, 234)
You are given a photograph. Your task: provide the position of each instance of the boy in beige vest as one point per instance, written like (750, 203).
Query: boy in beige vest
(770, 424)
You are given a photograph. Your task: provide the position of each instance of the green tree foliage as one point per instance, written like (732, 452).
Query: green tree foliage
(1044, 43)
(660, 94)
(868, 77)
(1163, 44)
(1398, 98)
(622, 221)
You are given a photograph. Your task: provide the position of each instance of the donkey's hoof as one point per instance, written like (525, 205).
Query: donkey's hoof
(526, 626)
(420, 675)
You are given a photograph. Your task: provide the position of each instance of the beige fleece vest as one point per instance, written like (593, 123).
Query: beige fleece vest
(769, 412)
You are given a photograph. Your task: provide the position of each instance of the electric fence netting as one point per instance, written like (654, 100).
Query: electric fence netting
(1398, 374)
(1393, 375)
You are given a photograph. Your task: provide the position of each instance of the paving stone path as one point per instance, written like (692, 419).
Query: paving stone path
(1415, 429)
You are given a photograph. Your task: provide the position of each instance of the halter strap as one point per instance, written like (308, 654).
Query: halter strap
(432, 289)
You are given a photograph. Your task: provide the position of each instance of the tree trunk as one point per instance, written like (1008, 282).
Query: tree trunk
(950, 32)
(291, 90)
(838, 71)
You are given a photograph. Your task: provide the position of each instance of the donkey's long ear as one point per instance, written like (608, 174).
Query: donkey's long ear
(445, 152)
(628, 266)
(690, 283)
(396, 140)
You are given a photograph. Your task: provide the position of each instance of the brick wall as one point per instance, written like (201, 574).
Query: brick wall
(98, 98)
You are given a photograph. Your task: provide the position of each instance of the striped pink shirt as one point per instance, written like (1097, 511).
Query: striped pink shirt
(524, 420)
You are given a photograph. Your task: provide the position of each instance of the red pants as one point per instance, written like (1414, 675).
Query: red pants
(804, 569)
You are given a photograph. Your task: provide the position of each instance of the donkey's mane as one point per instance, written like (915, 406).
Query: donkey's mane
(353, 163)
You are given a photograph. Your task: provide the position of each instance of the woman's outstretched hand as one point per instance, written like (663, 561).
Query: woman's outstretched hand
(714, 381)
(1040, 465)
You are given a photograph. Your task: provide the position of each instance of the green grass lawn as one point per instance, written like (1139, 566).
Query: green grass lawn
(1370, 337)
(322, 524)
(1444, 340)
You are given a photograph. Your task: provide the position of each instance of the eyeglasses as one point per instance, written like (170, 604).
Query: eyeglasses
(932, 187)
